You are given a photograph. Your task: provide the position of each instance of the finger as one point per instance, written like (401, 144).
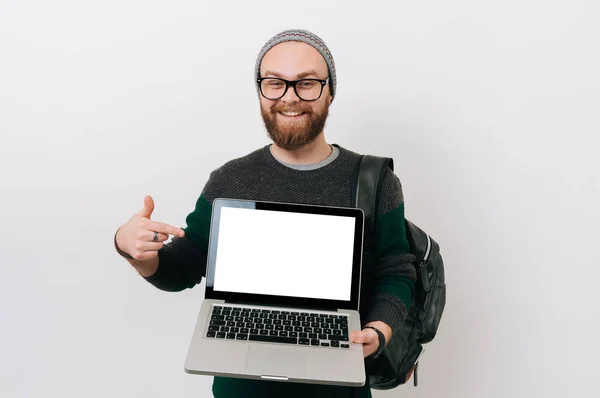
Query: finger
(358, 337)
(362, 337)
(148, 207)
(149, 236)
(143, 256)
(141, 246)
(165, 229)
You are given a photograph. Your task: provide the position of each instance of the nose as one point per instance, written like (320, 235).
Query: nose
(290, 96)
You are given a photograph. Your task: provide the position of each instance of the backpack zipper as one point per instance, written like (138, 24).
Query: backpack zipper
(423, 267)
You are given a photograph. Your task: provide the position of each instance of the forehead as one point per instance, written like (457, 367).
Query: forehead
(291, 58)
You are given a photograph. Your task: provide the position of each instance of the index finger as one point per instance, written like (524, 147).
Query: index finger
(165, 229)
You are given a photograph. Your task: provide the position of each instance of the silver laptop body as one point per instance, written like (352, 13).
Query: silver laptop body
(282, 293)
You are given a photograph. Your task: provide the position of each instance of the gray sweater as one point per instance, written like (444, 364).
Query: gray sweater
(259, 176)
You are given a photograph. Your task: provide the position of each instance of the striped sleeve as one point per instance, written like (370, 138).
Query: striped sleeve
(394, 271)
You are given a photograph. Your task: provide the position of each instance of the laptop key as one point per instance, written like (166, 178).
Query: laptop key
(241, 337)
(297, 328)
(260, 326)
(230, 323)
(345, 346)
(338, 332)
(244, 331)
(240, 324)
(235, 330)
(264, 332)
(210, 334)
(273, 339)
(314, 342)
(293, 334)
(214, 328)
(337, 337)
(278, 327)
(312, 335)
(229, 318)
(253, 331)
(224, 328)
(335, 343)
(303, 335)
(322, 336)
(221, 335)
(230, 336)
(277, 322)
(273, 333)
(283, 333)
(288, 328)
(217, 323)
(270, 327)
(217, 317)
(304, 341)
(287, 323)
(324, 344)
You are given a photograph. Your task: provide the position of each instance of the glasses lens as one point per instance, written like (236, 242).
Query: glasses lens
(309, 90)
(272, 88)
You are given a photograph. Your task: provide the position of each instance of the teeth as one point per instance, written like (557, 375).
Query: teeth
(291, 113)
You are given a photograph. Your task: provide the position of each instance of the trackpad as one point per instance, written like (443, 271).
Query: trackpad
(275, 360)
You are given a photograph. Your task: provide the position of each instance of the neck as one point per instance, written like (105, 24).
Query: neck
(313, 152)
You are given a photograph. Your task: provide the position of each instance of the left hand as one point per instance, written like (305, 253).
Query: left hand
(368, 338)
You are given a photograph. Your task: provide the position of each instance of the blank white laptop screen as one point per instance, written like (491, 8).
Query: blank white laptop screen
(284, 253)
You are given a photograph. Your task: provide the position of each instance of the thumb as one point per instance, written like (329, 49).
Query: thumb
(148, 207)
(359, 337)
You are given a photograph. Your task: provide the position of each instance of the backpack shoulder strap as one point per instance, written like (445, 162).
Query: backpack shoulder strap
(366, 194)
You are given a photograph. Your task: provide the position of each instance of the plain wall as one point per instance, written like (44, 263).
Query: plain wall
(490, 110)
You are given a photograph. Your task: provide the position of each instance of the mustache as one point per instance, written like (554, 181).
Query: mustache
(281, 108)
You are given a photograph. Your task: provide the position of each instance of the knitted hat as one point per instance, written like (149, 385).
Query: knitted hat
(305, 37)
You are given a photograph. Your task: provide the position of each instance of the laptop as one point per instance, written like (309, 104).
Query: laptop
(282, 294)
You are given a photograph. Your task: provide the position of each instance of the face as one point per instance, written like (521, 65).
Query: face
(291, 122)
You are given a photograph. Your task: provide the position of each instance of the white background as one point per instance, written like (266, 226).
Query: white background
(489, 108)
(284, 254)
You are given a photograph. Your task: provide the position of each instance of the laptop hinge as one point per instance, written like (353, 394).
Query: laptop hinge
(304, 307)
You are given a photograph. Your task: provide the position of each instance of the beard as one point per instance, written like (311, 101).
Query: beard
(294, 134)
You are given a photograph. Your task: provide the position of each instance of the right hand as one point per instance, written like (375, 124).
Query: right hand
(135, 237)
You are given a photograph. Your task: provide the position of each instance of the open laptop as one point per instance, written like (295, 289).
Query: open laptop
(282, 294)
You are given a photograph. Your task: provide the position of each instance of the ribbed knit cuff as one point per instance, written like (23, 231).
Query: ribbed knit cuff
(387, 309)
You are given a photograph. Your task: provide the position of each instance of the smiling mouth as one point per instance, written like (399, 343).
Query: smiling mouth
(291, 114)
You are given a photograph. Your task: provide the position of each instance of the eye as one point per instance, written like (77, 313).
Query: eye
(307, 84)
(274, 83)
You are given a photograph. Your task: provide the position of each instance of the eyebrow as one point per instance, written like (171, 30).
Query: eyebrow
(298, 76)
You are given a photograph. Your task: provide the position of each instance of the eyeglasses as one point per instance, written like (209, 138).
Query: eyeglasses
(306, 89)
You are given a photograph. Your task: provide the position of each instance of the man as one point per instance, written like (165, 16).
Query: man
(296, 82)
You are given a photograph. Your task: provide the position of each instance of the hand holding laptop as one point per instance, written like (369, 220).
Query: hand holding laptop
(369, 339)
(141, 238)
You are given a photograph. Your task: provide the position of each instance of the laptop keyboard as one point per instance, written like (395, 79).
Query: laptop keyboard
(288, 327)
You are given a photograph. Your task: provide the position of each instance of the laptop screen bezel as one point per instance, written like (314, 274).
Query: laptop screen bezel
(302, 302)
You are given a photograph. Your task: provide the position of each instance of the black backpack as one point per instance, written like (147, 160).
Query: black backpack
(400, 358)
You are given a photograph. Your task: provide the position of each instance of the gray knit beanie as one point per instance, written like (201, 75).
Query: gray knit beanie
(305, 37)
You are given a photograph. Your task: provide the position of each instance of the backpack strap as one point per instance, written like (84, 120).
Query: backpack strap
(366, 194)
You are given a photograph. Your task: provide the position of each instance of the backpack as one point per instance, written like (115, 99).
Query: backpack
(400, 358)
